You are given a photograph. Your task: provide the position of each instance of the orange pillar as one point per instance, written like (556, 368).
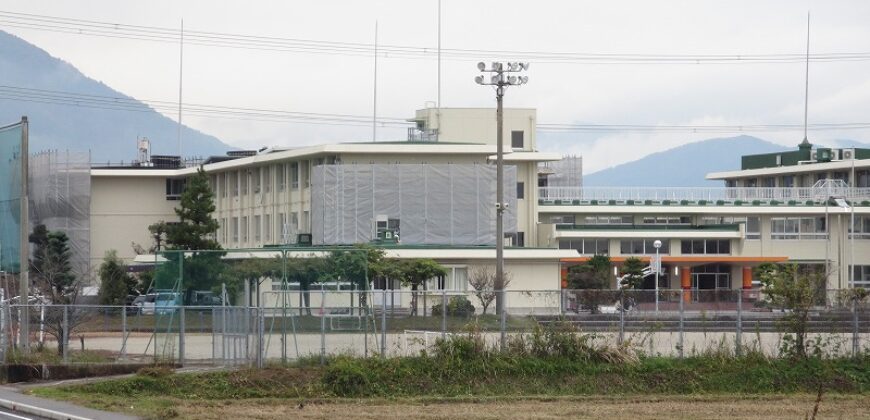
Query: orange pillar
(747, 278)
(686, 282)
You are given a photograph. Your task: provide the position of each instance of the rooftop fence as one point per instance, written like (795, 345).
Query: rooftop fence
(706, 194)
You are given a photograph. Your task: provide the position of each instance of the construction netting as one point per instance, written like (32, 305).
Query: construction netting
(60, 198)
(10, 197)
(567, 172)
(443, 204)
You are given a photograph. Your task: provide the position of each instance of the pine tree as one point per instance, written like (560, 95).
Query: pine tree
(115, 283)
(196, 228)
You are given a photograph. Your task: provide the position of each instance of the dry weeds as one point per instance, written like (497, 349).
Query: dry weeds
(723, 407)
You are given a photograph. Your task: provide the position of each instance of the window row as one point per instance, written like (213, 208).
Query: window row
(642, 247)
(798, 228)
(861, 276)
(705, 246)
(242, 230)
(261, 179)
(588, 246)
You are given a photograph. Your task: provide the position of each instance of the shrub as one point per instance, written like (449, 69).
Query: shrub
(456, 306)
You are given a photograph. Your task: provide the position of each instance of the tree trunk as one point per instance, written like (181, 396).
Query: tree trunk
(414, 300)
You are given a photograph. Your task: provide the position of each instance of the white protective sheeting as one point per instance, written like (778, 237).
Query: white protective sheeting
(442, 204)
(60, 198)
(567, 172)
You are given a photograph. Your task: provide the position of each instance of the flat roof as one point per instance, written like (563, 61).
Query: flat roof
(793, 169)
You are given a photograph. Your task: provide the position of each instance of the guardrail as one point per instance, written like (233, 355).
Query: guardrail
(702, 193)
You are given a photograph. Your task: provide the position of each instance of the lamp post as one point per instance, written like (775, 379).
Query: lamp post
(657, 266)
(501, 82)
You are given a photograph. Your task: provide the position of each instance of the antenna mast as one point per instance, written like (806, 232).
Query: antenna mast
(375, 92)
(807, 79)
(180, 83)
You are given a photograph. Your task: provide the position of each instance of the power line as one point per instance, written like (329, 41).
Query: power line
(255, 42)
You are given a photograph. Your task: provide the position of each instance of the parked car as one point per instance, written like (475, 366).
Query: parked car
(143, 304)
(166, 302)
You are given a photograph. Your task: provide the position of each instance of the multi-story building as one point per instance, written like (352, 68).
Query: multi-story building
(435, 189)
(799, 206)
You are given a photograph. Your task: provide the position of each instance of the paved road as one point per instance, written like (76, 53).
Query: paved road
(16, 415)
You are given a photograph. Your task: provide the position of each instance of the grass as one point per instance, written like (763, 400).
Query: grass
(553, 363)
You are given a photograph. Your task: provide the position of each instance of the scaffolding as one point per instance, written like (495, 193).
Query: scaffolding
(567, 172)
(438, 204)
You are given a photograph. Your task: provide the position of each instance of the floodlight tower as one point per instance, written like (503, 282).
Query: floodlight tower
(501, 81)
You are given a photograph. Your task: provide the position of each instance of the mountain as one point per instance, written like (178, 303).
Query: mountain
(109, 134)
(683, 166)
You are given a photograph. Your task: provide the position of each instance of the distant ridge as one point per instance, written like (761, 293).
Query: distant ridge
(109, 134)
(683, 166)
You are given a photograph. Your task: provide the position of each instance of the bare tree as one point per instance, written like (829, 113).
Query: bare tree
(482, 280)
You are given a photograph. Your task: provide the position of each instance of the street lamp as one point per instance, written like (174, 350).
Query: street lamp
(658, 266)
(499, 76)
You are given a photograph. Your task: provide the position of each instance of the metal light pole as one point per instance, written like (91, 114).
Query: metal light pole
(500, 81)
(658, 266)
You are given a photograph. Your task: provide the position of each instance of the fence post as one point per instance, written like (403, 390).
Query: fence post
(621, 316)
(261, 343)
(503, 340)
(322, 326)
(855, 336)
(384, 323)
(123, 332)
(65, 334)
(444, 313)
(214, 342)
(181, 335)
(682, 317)
(738, 338)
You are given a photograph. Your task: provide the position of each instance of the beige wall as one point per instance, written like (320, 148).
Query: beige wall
(478, 125)
(121, 210)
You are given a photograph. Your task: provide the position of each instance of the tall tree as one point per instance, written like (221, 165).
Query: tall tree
(196, 228)
(51, 266)
(632, 273)
(590, 281)
(194, 232)
(115, 283)
(416, 272)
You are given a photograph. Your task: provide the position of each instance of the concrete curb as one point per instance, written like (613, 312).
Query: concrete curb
(37, 411)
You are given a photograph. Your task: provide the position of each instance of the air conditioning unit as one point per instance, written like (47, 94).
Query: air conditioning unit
(848, 154)
(303, 239)
(814, 155)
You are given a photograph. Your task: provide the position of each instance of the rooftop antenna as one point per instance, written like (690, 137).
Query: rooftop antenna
(438, 115)
(807, 80)
(375, 93)
(180, 82)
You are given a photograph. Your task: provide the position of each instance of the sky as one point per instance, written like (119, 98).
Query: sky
(567, 92)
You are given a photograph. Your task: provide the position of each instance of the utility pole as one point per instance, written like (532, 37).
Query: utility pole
(24, 250)
(501, 82)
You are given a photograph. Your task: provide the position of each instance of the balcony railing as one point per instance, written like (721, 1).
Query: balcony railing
(695, 194)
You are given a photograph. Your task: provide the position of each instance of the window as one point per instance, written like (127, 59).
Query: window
(768, 182)
(797, 228)
(224, 230)
(750, 183)
(243, 181)
(257, 229)
(305, 174)
(521, 239)
(220, 188)
(235, 228)
(730, 183)
(844, 176)
(667, 220)
(565, 219)
(788, 181)
(590, 246)
(722, 220)
(642, 247)
(294, 222)
(753, 227)
(174, 188)
(705, 246)
(256, 176)
(283, 233)
(862, 227)
(305, 219)
(517, 139)
(267, 228)
(244, 229)
(607, 220)
(863, 178)
(456, 280)
(294, 175)
(226, 183)
(280, 176)
(860, 276)
(521, 190)
(267, 179)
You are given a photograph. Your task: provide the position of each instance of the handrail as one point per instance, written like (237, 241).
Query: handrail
(702, 193)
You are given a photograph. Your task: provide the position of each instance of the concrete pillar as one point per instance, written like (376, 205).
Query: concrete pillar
(747, 278)
(686, 282)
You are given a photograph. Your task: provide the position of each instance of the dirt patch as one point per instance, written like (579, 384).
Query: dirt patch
(726, 407)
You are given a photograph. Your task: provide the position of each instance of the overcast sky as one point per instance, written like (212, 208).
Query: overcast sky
(562, 93)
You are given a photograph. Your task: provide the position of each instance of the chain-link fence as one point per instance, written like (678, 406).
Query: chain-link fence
(330, 320)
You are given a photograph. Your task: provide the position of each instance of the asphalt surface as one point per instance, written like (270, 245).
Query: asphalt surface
(16, 415)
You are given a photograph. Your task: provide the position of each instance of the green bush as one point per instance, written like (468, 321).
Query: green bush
(456, 306)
